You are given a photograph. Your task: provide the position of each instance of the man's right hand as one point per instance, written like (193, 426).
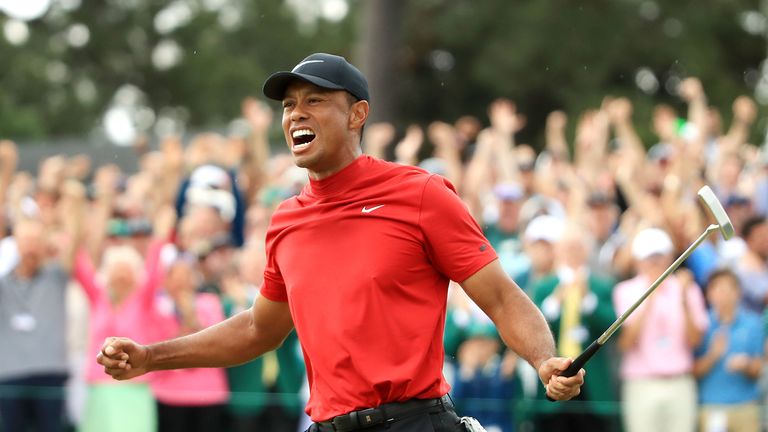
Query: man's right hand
(123, 358)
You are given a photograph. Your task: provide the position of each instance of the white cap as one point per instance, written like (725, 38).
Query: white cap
(209, 176)
(221, 200)
(545, 227)
(651, 241)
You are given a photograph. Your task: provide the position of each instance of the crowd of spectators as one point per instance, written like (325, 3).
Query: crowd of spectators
(582, 225)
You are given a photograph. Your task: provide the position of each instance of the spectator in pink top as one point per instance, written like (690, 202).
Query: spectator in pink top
(189, 400)
(657, 341)
(120, 296)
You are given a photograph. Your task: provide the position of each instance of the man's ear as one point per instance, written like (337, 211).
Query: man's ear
(358, 114)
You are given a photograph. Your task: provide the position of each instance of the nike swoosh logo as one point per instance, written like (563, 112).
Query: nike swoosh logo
(306, 62)
(368, 210)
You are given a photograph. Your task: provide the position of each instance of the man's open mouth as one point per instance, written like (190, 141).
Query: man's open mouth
(302, 138)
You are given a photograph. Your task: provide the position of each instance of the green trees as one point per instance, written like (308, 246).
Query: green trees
(555, 54)
(198, 58)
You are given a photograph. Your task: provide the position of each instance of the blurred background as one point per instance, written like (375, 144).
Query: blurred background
(107, 72)
(140, 165)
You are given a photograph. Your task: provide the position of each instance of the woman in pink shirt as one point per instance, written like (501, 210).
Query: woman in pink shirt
(120, 296)
(189, 400)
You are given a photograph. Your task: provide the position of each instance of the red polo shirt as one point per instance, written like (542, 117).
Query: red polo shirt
(364, 258)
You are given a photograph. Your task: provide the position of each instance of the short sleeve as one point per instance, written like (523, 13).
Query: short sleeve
(273, 287)
(698, 307)
(273, 290)
(454, 241)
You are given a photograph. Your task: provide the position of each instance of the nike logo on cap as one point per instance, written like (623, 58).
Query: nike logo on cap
(306, 62)
(368, 210)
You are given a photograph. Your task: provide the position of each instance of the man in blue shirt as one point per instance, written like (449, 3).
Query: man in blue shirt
(729, 359)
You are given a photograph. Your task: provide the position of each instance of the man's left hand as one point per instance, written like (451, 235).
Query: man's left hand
(559, 387)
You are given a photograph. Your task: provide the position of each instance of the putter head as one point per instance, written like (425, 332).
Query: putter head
(710, 201)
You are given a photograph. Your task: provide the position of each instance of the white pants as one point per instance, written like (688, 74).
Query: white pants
(659, 404)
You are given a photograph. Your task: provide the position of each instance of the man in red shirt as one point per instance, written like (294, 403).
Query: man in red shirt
(359, 264)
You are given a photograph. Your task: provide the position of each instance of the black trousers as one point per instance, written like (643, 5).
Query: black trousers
(191, 418)
(273, 419)
(446, 421)
(572, 422)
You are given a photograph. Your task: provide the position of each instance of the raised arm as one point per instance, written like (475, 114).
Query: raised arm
(445, 140)
(620, 115)
(556, 142)
(105, 189)
(73, 203)
(477, 175)
(259, 117)
(407, 150)
(9, 157)
(378, 137)
(506, 121)
(162, 228)
(591, 143)
(522, 327)
(234, 341)
(744, 114)
(172, 152)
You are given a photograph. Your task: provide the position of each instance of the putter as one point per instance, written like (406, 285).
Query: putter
(723, 224)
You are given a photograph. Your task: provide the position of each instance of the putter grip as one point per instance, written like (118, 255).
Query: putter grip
(579, 362)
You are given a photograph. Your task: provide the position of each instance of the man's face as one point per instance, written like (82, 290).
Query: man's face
(758, 240)
(653, 266)
(724, 292)
(509, 212)
(121, 278)
(180, 279)
(542, 255)
(572, 251)
(30, 240)
(319, 127)
(602, 220)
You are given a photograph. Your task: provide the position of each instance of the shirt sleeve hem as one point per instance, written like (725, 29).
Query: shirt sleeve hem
(480, 264)
(273, 291)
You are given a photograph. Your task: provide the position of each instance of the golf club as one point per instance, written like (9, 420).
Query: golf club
(709, 200)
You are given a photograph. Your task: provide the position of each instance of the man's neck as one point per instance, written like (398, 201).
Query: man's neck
(726, 314)
(26, 270)
(326, 172)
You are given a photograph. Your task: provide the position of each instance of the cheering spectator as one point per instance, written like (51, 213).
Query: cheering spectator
(248, 392)
(121, 296)
(603, 218)
(485, 383)
(577, 305)
(504, 234)
(265, 391)
(539, 240)
(189, 400)
(752, 268)
(33, 326)
(729, 360)
(658, 339)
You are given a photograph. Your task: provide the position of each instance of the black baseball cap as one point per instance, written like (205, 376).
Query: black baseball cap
(323, 70)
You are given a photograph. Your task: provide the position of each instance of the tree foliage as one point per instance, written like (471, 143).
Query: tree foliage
(454, 57)
(560, 54)
(219, 65)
